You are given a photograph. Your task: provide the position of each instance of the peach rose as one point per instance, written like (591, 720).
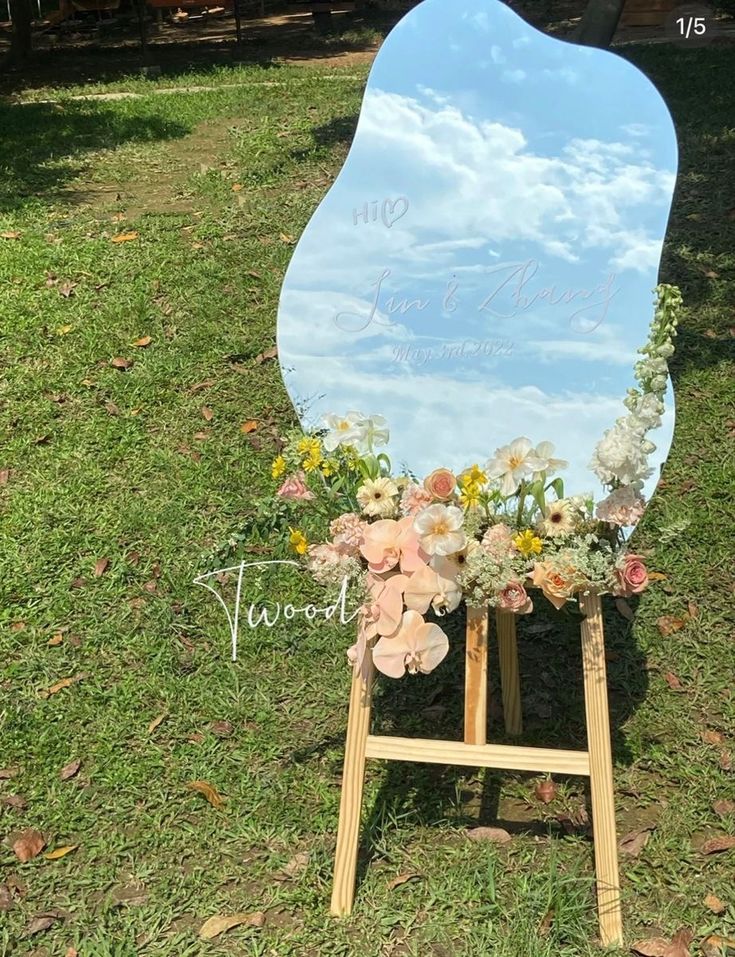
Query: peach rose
(557, 585)
(441, 483)
(632, 576)
(295, 488)
(514, 598)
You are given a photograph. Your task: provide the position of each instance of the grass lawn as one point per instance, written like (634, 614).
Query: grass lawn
(148, 469)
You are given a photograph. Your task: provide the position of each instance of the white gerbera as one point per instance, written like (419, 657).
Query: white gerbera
(439, 529)
(559, 518)
(377, 497)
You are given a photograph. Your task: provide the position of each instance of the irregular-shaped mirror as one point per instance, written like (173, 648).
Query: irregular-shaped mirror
(483, 266)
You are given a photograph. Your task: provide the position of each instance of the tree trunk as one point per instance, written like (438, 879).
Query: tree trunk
(599, 23)
(20, 41)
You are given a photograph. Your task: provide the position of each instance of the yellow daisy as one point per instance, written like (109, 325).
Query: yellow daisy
(297, 541)
(527, 543)
(278, 467)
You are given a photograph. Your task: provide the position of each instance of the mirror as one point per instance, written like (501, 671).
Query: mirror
(483, 267)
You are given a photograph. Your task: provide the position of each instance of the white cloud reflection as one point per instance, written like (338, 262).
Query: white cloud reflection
(532, 235)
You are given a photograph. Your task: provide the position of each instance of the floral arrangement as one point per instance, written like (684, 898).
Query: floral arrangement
(488, 535)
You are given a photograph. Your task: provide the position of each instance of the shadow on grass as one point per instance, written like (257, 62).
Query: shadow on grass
(44, 146)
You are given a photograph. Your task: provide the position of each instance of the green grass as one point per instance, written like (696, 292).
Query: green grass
(123, 465)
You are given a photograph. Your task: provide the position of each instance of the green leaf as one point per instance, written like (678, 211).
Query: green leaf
(558, 485)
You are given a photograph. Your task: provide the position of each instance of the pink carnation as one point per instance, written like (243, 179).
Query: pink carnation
(295, 488)
(414, 498)
(623, 506)
(498, 541)
(347, 533)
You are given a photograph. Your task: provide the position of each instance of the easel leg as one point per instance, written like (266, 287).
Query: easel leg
(353, 778)
(475, 681)
(509, 678)
(601, 777)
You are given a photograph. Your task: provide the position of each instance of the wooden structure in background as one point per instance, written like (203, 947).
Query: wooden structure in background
(595, 762)
(646, 13)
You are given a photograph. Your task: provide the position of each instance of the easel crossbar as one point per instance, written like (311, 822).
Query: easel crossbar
(507, 757)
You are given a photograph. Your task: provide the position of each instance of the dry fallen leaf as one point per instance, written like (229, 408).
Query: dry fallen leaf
(29, 845)
(60, 852)
(713, 737)
(725, 760)
(632, 844)
(121, 363)
(60, 685)
(295, 866)
(143, 342)
(716, 946)
(652, 947)
(679, 946)
(223, 729)
(266, 355)
(7, 773)
(250, 426)
(218, 925)
(10, 234)
(716, 845)
(64, 330)
(42, 922)
(545, 923)
(657, 577)
(713, 903)
(55, 640)
(15, 801)
(155, 723)
(673, 681)
(198, 386)
(668, 624)
(125, 237)
(723, 807)
(207, 413)
(6, 898)
(101, 566)
(497, 835)
(4, 476)
(210, 793)
(66, 289)
(545, 791)
(236, 187)
(404, 879)
(70, 770)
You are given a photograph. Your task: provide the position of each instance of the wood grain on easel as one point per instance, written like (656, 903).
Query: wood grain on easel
(475, 680)
(510, 681)
(353, 778)
(601, 776)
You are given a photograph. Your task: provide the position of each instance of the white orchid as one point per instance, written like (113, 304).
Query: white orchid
(343, 429)
(439, 528)
(512, 463)
(544, 453)
(361, 432)
(371, 431)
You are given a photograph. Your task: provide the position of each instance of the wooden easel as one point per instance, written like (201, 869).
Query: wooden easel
(596, 762)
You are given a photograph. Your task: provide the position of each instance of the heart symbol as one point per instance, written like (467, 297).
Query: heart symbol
(390, 213)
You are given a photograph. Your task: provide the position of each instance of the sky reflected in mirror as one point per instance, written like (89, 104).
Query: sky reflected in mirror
(483, 266)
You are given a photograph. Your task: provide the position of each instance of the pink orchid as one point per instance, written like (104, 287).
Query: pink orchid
(295, 488)
(416, 646)
(383, 615)
(387, 543)
(426, 587)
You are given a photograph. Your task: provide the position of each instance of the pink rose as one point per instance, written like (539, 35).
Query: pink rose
(295, 488)
(632, 576)
(441, 483)
(514, 598)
